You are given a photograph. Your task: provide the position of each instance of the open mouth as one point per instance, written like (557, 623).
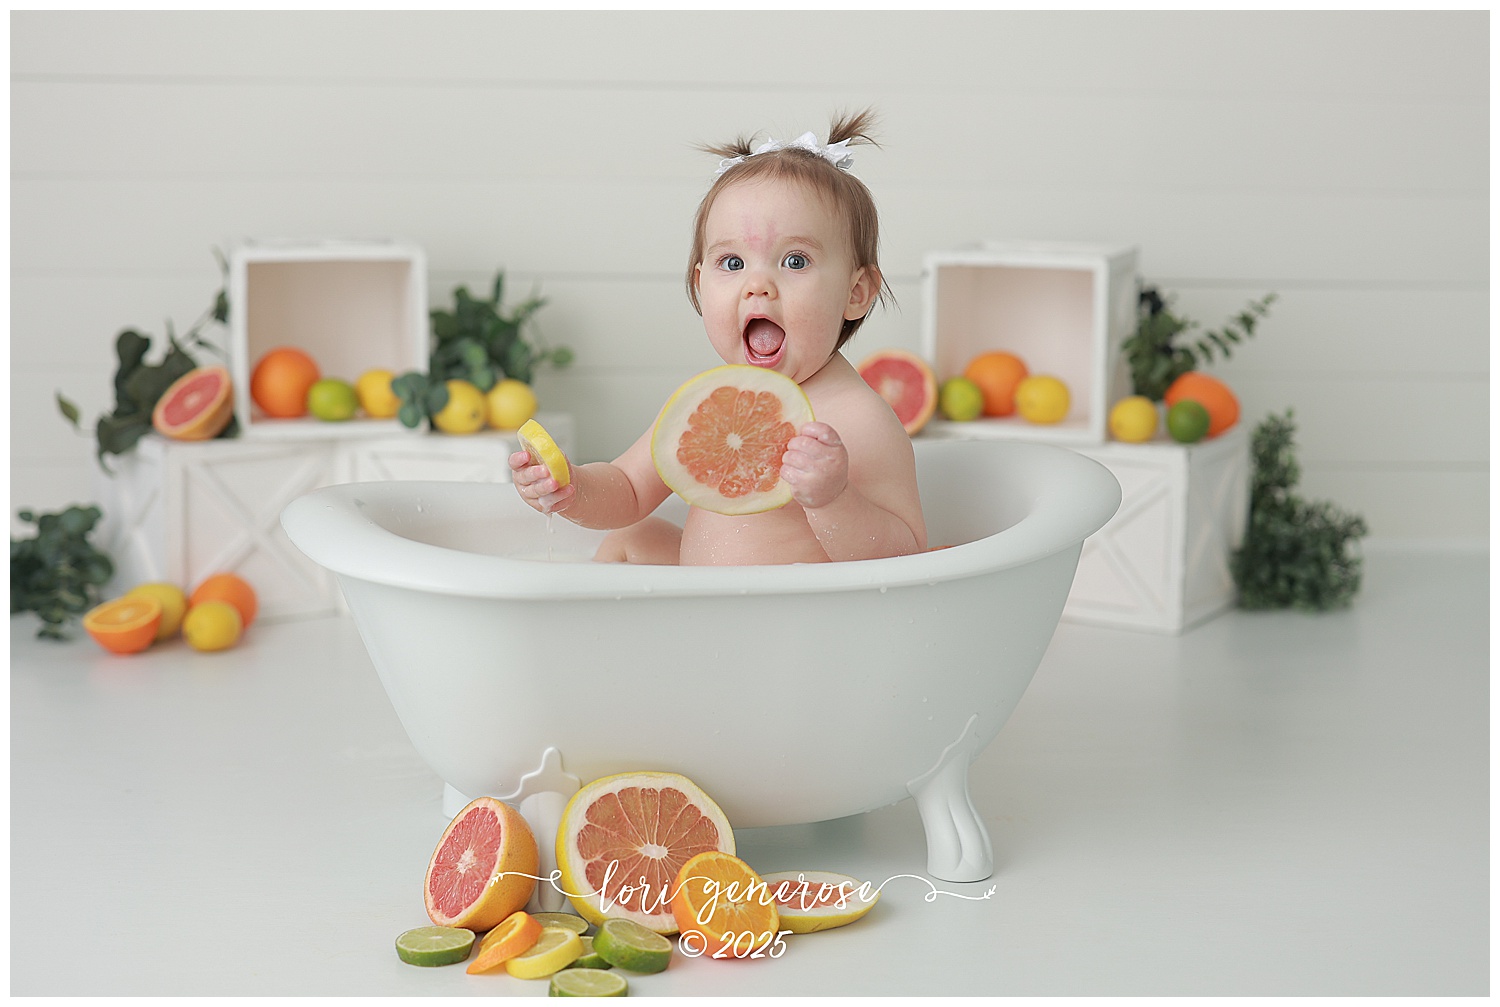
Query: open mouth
(765, 342)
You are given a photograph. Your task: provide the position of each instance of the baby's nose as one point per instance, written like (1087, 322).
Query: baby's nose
(759, 283)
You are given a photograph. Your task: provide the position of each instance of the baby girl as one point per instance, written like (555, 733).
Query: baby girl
(783, 270)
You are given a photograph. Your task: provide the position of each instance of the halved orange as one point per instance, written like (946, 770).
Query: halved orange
(516, 933)
(718, 897)
(125, 625)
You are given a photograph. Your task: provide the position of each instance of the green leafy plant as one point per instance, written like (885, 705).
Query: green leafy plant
(1154, 354)
(57, 573)
(1296, 554)
(139, 385)
(476, 341)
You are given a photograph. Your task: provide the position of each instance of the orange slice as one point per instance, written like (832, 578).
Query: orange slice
(729, 906)
(125, 625)
(515, 934)
(719, 439)
(484, 867)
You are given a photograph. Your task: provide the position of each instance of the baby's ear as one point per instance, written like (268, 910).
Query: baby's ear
(862, 292)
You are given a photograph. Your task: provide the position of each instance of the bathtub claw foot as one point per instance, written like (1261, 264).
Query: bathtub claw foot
(541, 797)
(958, 845)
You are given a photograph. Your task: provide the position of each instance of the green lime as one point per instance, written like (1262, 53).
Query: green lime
(434, 945)
(587, 983)
(1187, 422)
(960, 399)
(590, 958)
(332, 400)
(566, 921)
(628, 945)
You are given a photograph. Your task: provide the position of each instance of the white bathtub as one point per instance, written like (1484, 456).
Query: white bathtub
(790, 694)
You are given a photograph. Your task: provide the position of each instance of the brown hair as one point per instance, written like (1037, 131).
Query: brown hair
(842, 190)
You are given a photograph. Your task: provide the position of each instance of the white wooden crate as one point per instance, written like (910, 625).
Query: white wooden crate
(178, 511)
(351, 306)
(1162, 562)
(1064, 309)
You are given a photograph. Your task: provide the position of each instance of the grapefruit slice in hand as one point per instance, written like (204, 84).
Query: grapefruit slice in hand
(719, 439)
(623, 839)
(484, 867)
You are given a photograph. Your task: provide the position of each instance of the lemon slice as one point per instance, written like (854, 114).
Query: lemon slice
(563, 921)
(630, 946)
(588, 983)
(434, 945)
(556, 949)
(544, 451)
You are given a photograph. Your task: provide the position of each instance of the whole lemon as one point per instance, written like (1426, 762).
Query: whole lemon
(1133, 419)
(510, 404)
(212, 625)
(1041, 398)
(961, 399)
(332, 400)
(465, 411)
(375, 396)
(173, 604)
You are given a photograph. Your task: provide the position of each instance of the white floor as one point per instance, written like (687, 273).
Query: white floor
(1269, 804)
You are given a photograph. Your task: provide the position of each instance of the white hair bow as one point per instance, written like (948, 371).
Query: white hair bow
(836, 154)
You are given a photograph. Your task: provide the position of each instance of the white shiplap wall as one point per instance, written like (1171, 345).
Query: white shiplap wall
(1340, 159)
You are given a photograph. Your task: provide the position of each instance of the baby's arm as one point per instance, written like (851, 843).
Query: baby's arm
(598, 495)
(860, 507)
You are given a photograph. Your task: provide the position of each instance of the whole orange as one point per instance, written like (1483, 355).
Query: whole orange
(280, 382)
(231, 588)
(997, 374)
(1210, 393)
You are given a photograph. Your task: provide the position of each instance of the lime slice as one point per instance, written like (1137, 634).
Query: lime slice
(434, 945)
(587, 983)
(554, 950)
(628, 945)
(544, 451)
(563, 921)
(590, 959)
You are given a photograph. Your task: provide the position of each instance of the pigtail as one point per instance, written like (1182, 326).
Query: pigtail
(738, 147)
(855, 127)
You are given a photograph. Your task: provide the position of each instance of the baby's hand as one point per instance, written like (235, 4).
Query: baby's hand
(816, 465)
(535, 484)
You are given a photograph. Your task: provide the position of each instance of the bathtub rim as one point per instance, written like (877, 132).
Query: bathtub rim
(1080, 496)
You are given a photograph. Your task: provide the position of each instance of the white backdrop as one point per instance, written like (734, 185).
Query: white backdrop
(1339, 159)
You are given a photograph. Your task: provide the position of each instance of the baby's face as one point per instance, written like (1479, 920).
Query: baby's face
(777, 278)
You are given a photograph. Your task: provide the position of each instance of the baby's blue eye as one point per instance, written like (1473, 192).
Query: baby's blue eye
(795, 260)
(731, 263)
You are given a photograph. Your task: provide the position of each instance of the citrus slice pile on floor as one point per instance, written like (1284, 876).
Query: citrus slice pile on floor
(590, 959)
(809, 901)
(623, 839)
(906, 382)
(514, 935)
(719, 898)
(536, 442)
(434, 946)
(563, 921)
(719, 439)
(553, 951)
(587, 983)
(478, 875)
(632, 947)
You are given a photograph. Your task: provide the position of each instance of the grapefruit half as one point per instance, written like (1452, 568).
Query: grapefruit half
(623, 839)
(719, 439)
(906, 382)
(484, 867)
(195, 407)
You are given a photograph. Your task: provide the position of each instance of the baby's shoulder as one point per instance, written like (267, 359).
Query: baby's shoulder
(858, 413)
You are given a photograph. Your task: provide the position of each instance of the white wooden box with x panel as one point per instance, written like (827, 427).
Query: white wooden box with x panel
(1162, 563)
(178, 511)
